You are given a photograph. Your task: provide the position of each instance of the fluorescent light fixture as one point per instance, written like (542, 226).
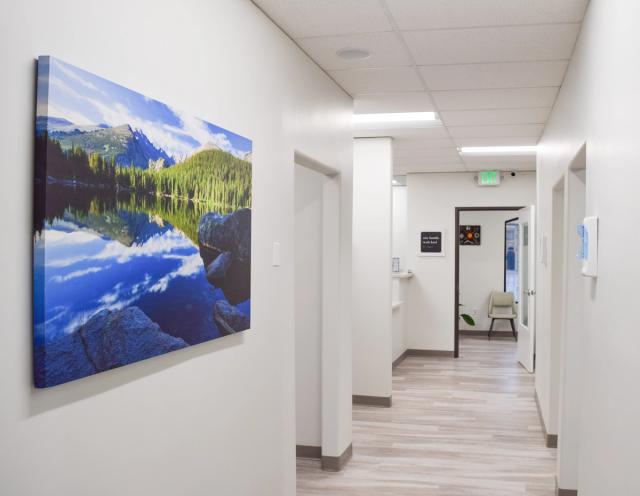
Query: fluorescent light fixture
(498, 150)
(395, 118)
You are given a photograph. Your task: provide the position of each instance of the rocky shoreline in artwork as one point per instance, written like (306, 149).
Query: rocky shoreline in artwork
(113, 338)
(225, 248)
(107, 340)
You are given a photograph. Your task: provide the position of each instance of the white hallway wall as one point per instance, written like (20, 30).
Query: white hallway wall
(482, 267)
(399, 286)
(372, 327)
(431, 202)
(218, 418)
(598, 105)
(399, 223)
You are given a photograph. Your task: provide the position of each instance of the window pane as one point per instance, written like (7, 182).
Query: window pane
(525, 275)
(512, 240)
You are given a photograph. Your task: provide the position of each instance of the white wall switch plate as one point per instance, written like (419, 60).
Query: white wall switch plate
(543, 250)
(276, 254)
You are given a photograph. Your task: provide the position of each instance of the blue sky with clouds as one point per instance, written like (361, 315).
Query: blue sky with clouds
(86, 99)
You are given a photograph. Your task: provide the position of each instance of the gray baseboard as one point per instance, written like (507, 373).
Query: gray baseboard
(303, 451)
(423, 353)
(483, 333)
(360, 399)
(431, 353)
(399, 360)
(566, 492)
(337, 463)
(551, 440)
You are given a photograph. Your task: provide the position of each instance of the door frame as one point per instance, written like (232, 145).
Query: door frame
(557, 308)
(335, 390)
(456, 300)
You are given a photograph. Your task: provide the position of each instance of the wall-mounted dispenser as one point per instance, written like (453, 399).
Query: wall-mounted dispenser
(588, 251)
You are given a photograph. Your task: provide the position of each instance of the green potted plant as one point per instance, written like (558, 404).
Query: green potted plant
(466, 317)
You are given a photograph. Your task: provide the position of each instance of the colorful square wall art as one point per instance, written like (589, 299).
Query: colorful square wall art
(470, 235)
(142, 227)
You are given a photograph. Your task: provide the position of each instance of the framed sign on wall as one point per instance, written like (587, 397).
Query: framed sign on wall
(431, 243)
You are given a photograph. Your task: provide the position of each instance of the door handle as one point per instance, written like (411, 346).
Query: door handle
(531, 292)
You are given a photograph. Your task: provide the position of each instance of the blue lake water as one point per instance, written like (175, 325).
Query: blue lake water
(121, 259)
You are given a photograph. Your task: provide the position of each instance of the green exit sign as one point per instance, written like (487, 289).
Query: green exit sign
(488, 178)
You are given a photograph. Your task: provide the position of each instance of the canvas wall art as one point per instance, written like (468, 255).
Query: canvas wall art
(142, 227)
(470, 235)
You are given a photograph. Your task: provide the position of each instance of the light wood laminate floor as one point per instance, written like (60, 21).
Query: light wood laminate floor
(465, 427)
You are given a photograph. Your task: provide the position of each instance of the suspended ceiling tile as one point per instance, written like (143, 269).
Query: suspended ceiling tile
(495, 98)
(416, 166)
(419, 159)
(525, 162)
(473, 160)
(436, 132)
(446, 155)
(495, 117)
(524, 130)
(383, 80)
(386, 49)
(495, 44)
(441, 14)
(508, 166)
(528, 166)
(303, 18)
(498, 141)
(422, 144)
(423, 169)
(502, 75)
(393, 102)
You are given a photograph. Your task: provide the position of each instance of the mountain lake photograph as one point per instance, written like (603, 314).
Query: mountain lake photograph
(142, 227)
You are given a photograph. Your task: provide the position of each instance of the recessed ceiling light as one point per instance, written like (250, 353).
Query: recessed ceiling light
(353, 53)
(498, 150)
(395, 118)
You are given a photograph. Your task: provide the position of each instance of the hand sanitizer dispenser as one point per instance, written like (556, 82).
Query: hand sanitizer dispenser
(588, 251)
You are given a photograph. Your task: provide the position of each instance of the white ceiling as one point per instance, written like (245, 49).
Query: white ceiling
(491, 69)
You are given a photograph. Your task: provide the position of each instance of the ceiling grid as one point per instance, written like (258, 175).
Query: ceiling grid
(426, 86)
(491, 69)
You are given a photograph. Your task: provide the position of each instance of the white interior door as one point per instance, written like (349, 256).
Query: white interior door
(527, 277)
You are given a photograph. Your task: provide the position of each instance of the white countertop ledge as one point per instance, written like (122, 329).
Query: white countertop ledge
(402, 275)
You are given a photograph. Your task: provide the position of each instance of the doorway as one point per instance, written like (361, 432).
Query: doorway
(575, 290)
(308, 266)
(557, 294)
(323, 377)
(483, 260)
